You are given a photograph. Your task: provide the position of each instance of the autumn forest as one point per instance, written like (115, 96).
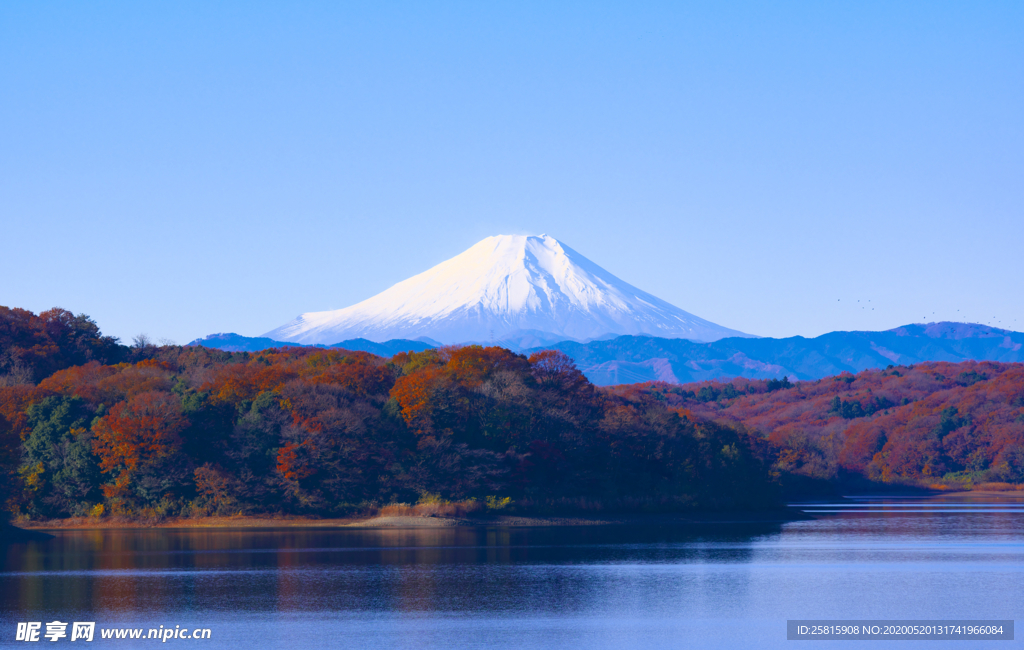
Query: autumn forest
(93, 428)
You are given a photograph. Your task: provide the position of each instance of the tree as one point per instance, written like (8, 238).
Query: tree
(32, 347)
(58, 466)
(10, 485)
(138, 443)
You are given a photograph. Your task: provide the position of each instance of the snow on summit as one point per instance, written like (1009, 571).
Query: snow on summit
(500, 288)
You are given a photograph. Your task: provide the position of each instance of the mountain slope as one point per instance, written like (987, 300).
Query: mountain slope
(633, 359)
(231, 342)
(499, 289)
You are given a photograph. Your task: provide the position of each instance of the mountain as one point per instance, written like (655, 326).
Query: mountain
(507, 288)
(231, 342)
(236, 343)
(634, 359)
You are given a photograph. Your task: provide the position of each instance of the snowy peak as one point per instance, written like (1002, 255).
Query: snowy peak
(497, 288)
(512, 274)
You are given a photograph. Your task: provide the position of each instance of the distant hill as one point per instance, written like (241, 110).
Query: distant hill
(937, 424)
(231, 342)
(634, 359)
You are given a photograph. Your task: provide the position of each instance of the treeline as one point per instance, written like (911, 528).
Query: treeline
(92, 427)
(147, 431)
(932, 424)
(34, 347)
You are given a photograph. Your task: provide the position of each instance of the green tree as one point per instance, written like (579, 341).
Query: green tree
(58, 466)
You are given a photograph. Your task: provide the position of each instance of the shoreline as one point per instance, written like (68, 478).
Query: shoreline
(778, 515)
(23, 530)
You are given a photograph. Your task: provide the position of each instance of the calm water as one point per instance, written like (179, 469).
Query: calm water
(725, 586)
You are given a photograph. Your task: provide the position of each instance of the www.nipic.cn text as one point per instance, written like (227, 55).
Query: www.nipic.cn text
(86, 631)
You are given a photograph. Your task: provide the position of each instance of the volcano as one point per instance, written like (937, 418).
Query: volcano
(505, 288)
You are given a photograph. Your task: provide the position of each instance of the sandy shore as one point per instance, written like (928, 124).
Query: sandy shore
(765, 516)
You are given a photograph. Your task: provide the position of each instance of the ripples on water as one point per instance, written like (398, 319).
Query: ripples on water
(723, 586)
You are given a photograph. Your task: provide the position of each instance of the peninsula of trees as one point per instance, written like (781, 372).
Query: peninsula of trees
(90, 427)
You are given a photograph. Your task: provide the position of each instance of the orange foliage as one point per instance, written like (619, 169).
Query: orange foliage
(141, 431)
(467, 366)
(413, 392)
(108, 384)
(236, 382)
(55, 339)
(289, 465)
(899, 424)
(471, 365)
(14, 400)
(360, 372)
(79, 380)
(214, 484)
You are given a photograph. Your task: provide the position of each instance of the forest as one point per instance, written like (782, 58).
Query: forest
(939, 425)
(93, 428)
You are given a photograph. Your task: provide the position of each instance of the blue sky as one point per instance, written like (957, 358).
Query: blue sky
(182, 168)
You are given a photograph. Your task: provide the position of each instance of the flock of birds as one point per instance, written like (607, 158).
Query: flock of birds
(992, 323)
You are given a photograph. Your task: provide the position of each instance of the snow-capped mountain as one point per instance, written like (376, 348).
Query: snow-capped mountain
(505, 288)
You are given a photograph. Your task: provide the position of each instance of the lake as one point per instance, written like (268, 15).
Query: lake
(707, 586)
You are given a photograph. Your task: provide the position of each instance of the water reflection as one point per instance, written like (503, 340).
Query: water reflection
(455, 569)
(730, 585)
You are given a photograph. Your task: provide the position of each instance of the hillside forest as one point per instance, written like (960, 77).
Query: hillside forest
(91, 427)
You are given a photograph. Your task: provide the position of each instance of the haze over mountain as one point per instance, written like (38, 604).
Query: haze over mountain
(634, 359)
(505, 288)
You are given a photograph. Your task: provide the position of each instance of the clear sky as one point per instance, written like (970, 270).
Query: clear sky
(183, 168)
